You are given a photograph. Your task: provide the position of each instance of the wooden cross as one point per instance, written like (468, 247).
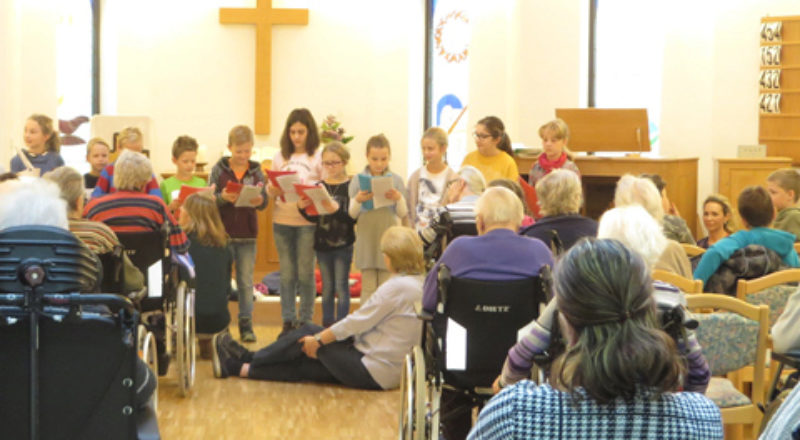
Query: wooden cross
(263, 16)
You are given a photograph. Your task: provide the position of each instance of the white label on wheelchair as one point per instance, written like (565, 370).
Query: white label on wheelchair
(154, 281)
(456, 357)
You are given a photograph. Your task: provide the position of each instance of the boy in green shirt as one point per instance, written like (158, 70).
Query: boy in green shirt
(184, 156)
(784, 188)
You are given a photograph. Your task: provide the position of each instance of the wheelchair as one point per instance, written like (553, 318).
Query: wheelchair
(486, 316)
(70, 359)
(169, 297)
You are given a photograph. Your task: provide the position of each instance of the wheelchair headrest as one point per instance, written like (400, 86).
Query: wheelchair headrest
(67, 265)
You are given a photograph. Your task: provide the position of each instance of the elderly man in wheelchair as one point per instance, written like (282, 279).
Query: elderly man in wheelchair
(480, 293)
(71, 368)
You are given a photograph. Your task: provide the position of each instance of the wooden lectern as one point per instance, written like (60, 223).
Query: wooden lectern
(622, 130)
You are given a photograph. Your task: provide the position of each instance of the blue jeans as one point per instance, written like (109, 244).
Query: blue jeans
(334, 266)
(244, 258)
(295, 246)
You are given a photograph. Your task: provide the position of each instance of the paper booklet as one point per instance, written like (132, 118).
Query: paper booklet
(317, 194)
(285, 180)
(186, 190)
(245, 193)
(378, 185)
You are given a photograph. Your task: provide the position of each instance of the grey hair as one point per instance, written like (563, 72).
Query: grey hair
(473, 178)
(28, 202)
(633, 190)
(71, 184)
(498, 205)
(132, 171)
(560, 193)
(635, 228)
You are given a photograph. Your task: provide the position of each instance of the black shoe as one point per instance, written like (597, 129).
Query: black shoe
(287, 327)
(235, 349)
(246, 333)
(220, 357)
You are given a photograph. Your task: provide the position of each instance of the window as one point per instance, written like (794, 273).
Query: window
(448, 35)
(76, 83)
(626, 58)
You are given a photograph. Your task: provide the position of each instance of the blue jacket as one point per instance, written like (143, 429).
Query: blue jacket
(779, 241)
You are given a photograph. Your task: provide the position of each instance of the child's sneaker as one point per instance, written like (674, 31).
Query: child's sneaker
(219, 358)
(246, 333)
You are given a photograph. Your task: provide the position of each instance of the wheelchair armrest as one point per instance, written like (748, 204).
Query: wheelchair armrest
(422, 313)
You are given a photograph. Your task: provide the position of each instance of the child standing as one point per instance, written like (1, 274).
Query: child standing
(555, 154)
(294, 235)
(241, 223)
(494, 156)
(199, 218)
(184, 156)
(784, 190)
(334, 235)
(97, 151)
(374, 222)
(130, 138)
(426, 185)
(42, 145)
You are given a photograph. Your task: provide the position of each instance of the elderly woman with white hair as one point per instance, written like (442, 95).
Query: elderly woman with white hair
(130, 209)
(560, 199)
(639, 231)
(643, 192)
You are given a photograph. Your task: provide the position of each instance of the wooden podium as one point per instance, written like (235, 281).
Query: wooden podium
(594, 130)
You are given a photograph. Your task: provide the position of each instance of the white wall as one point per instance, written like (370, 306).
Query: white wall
(27, 68)
(193, 75)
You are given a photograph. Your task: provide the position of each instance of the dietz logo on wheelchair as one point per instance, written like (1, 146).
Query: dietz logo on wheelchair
(492, 308)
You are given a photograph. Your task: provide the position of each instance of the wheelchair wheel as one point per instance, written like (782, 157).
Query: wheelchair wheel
(413, 396)
(184, 336)
(149, 354)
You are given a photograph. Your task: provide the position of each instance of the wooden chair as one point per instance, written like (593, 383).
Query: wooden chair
(692, 250)
(797, 247)
(772, 290)
(685, 284)
(731, 341)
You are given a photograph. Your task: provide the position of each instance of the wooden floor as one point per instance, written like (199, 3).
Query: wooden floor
(243, 409)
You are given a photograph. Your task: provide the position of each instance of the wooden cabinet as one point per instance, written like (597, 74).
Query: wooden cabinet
(779, 127)
(600, 174)
(738, 173)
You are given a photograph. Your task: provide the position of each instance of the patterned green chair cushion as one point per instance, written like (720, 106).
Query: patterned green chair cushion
(775, 297)
(728, 340)
(724, 394)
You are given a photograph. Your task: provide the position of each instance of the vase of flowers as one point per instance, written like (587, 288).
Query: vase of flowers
(332, 130)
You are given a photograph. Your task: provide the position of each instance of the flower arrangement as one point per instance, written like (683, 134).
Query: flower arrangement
(332, 130)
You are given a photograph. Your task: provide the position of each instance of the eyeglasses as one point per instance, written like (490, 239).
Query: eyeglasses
(331, 164)
(481, 136)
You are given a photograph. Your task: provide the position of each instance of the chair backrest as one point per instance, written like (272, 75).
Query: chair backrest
(86, 368)
(733, 337)
(684, 284)
(68, 264)
(772, 290)
(483, 318)
(692, 250)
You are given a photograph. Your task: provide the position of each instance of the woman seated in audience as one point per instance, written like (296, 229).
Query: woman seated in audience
(364, 350)
(619, 372)
(130, 209)
(675, 228)
(516, 188)
(718, 220)
(637, 230)
(560, 199)
(494, 157)
(640, 191)
(96, 235)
